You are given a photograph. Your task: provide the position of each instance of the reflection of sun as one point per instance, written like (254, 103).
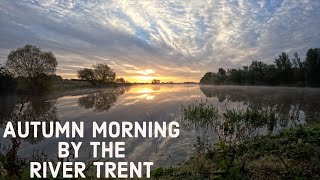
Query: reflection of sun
(144, 93)
(150, 97)
(145, 90)
(146, 96)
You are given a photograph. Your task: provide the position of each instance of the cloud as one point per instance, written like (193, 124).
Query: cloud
(178, 39)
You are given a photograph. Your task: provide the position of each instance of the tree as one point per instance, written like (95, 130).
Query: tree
(120, 80)
(155, 81)
(222, 74)
(270, 74)
(103, 73)
(86, 74)
(234, 76)
(284, 67)
(207, 78)
(32, 68)
(283, 71)
(299, 68)
(30, 62)
(255, 74)
(98, 75)
(313, 66)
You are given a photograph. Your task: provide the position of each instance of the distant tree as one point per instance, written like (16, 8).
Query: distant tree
(299, 70)
(86, 74)
(100, 74)
(222, 75)
(56, 78)
(103, 73)
(234, 76)
(30, 62)
(255, 74)
(313, 66)
(296, 61)
(284, 68)
(270, 74)
(120, 80)
(155, 81)
(283, 71)
(208, 78)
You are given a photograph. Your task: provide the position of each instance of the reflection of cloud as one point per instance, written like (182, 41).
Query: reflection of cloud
(176, 39)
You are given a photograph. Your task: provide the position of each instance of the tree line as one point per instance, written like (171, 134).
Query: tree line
(284, 71)
(31, 70)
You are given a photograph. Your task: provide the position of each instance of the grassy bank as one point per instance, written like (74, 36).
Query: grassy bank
(240, 153)
(58, 86)
(293, 153)
(78, 84)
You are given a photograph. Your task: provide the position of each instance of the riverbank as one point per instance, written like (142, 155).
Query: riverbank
(293, 153)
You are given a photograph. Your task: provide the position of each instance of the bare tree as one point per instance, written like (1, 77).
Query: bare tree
(29, 61)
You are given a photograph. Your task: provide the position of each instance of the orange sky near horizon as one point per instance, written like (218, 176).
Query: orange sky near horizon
(142, 76)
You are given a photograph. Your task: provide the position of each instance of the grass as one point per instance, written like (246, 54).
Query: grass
(293, 153)
(78, 84)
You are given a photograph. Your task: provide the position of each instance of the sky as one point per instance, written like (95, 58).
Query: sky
(171, 40)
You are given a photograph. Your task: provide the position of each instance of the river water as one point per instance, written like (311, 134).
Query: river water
(161, 103)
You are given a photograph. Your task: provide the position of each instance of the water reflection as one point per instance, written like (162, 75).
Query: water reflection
(23, 109)
(285, 100)
(29, 109)
(102, 100)
(163, 103)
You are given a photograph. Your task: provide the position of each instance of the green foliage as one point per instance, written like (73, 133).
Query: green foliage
(291, 154)
(239, 154)
(284, 71)
(231, 125)
(201, 114)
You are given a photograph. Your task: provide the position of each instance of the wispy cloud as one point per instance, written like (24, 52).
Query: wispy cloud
(178, 39)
